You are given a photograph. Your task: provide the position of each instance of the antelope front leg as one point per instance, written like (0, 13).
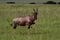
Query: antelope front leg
(29, 31)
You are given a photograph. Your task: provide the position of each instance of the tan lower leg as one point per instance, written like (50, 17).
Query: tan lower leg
(14, 30)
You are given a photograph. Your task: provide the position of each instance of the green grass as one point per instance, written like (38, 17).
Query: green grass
(47, 25)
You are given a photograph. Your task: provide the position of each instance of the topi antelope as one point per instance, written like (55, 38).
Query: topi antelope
(26, 20)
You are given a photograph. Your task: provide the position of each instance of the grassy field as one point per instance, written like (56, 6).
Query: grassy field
(47, 25)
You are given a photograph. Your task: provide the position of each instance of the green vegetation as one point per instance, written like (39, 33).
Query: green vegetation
(47, 25)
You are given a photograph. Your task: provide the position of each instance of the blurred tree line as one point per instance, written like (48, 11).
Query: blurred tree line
(48, 2)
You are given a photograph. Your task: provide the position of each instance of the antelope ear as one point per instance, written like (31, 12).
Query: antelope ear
(36, 9)
(33, 9)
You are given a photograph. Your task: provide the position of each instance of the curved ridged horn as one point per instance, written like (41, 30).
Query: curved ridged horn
(35, 9)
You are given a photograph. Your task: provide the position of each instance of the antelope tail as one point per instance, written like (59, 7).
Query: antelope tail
(9, 22)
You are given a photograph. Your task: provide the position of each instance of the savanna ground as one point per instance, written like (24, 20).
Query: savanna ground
(47, 25)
